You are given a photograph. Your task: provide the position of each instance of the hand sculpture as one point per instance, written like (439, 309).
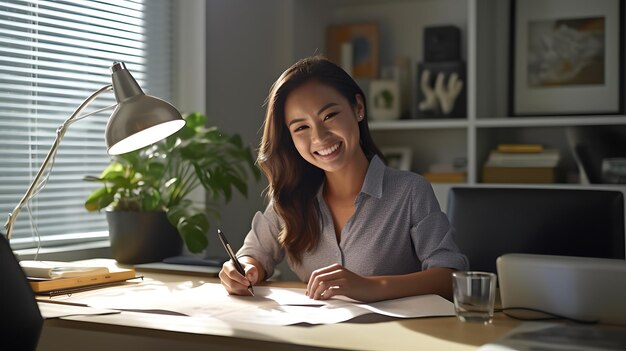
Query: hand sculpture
(448, 96)
(441, 96)
(430, 99)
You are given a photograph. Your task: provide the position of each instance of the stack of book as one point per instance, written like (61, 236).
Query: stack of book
(521, 163)
(53, 277)
(453, 172)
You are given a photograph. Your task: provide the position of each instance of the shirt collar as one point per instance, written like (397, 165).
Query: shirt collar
(373, 184)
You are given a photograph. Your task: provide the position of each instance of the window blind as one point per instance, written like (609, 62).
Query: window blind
(53, 55)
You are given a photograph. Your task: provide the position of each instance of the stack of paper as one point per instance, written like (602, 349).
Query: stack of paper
(56, 270)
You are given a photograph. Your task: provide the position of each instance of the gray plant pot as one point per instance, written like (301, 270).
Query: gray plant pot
(140, 237)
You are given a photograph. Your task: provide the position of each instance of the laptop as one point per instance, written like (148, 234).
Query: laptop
(578, 288)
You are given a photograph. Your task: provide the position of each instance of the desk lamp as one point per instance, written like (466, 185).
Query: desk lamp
(137, 121)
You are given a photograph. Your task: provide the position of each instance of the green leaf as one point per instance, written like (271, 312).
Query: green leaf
(236, 140)
(186, 133)
(130, 158)
(155, 170)
(183, 209)
(114, 169)
(200, 220)
(240, 185)
(223, 184)
(194, 236)
(151, 200)
(89, 178)
(195, 120)
(176, 213)
(192, 152)
(203, 175)
(117, 180)
(99, 199)
(213, 135)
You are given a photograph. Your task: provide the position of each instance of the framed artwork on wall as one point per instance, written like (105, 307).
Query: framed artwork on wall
(566, 57)
(363, 42)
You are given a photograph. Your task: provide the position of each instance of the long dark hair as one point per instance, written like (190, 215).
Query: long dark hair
(294, 182)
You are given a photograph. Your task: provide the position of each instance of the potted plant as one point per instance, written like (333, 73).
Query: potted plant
(145, 191)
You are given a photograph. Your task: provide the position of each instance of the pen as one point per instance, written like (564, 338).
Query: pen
(231, 254)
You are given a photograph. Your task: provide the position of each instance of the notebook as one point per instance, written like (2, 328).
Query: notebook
(579, 288)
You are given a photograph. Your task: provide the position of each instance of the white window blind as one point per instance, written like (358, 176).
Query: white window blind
(53, 55)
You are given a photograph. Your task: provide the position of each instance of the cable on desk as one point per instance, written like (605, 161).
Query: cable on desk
(550, 316)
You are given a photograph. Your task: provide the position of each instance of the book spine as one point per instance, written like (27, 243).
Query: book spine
(451, 177)
(66, 283)
(534, 175)
(514, 148)
(521, 163)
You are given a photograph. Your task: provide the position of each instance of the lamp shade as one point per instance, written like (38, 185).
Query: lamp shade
(138, 119)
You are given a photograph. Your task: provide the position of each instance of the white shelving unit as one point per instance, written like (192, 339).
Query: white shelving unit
(484, 26)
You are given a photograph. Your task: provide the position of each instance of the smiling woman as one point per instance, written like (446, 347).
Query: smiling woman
(347, 224)
(326, 137)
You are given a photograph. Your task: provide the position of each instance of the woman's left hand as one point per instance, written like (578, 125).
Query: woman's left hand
(327, 282)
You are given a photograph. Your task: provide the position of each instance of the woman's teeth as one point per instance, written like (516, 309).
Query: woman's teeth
(329, 151)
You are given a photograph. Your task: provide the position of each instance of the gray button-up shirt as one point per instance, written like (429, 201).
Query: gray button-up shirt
(397, 228)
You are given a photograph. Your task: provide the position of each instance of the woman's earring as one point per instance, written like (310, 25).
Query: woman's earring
(360, 118)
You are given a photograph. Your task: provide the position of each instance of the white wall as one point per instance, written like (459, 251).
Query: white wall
(189, 64)
(248, 46)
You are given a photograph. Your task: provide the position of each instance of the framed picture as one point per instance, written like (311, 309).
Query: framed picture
(566, 57)
(384, 100)
(398, 157)
(363, 42)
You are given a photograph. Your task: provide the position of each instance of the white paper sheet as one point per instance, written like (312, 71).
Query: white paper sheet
(55, 310)
(275, 306)
(412, 307)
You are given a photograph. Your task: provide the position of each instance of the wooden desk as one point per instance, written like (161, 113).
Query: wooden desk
(147, 331)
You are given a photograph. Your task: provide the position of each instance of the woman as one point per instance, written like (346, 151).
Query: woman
(347, 224)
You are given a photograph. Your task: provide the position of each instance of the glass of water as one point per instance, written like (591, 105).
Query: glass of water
(474, 296)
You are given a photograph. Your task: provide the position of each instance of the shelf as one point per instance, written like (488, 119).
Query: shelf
(419, 124)
(485, 48)
(503, 122)
(619, 187)
(550, 121)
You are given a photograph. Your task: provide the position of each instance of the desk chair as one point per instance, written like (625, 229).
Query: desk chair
(490, 222)
(20, 318)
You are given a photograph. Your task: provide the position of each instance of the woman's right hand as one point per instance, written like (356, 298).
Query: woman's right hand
(235, 283)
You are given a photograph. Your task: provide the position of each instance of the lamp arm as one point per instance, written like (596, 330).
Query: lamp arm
(51, 154)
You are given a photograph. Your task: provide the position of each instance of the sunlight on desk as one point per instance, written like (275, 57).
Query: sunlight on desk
(270, 306)
(131, 330)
